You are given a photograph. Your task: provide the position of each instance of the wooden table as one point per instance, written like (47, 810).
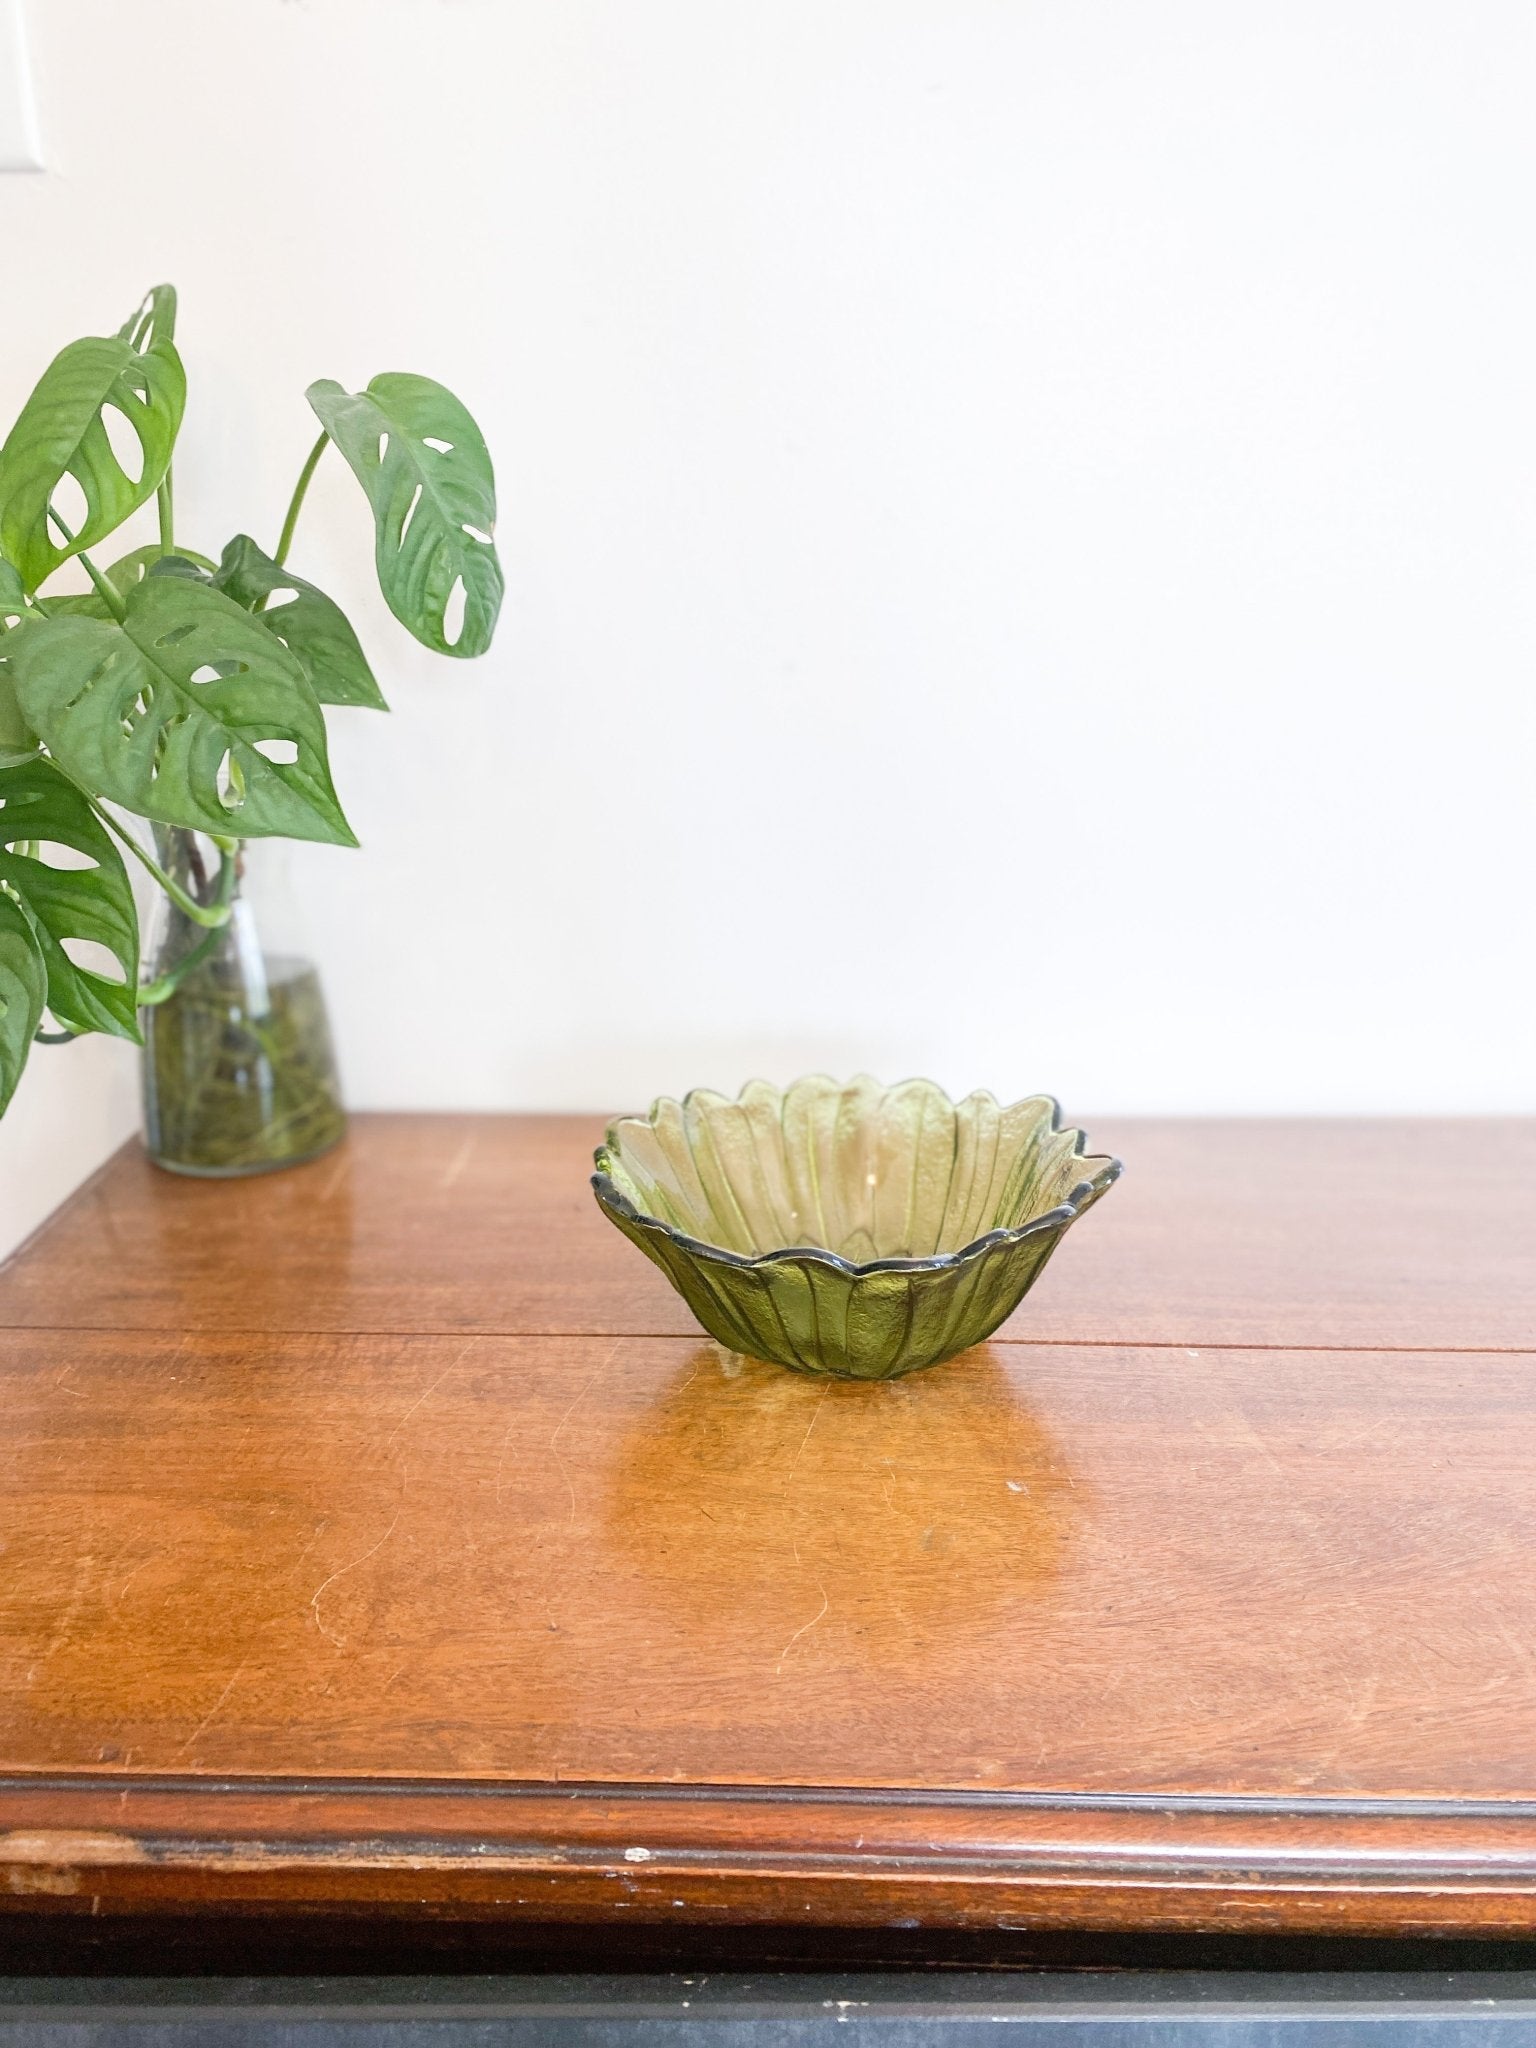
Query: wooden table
(380, 1537)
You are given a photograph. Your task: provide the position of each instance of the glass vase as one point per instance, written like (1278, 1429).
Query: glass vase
(239, 1072)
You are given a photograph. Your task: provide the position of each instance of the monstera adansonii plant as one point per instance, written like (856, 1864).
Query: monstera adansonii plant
(182, 688)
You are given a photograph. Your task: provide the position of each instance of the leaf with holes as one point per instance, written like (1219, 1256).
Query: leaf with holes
(23, 991)
(125, 573)
(63, 432)
(40, 808)
(309, 624)
(172, 714)
(423, 463)
(153, 319)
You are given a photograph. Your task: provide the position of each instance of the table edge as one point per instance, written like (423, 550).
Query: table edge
(743, 1856)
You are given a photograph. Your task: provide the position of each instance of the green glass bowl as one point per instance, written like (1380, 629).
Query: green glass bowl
(859, 1231)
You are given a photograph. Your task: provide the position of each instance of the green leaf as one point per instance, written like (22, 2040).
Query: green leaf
(127, 572)
(434, 506)
(310, 625)
(23, 991)
(40, 807)
(16, 741)
(168, 713)
(61, 432)
(153, 319)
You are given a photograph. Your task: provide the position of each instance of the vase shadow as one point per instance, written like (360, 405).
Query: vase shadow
(874, 1523)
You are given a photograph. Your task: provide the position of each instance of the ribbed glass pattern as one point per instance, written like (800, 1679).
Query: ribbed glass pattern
(848, 1229)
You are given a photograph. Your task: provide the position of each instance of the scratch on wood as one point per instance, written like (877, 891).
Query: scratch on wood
(501, 1455)
(314, 1537)
(77, 1598)
(122, 1591)
(815, 1417)
(459, 1161)
(452, 1366)
(340, 1572)
(888, 1488)
(213, 1712)
(805, 1625)
(581, 1394)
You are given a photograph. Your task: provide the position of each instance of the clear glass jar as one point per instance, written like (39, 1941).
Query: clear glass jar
(239, 1071)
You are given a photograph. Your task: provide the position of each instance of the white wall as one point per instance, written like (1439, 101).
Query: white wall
(1020, 519)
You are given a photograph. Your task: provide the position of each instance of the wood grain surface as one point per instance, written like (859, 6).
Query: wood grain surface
(451, 1612)
(1363, 1235)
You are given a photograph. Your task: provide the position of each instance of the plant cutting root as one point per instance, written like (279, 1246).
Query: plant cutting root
(229, 1092)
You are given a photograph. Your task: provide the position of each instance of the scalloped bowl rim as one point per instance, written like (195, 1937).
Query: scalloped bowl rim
(614, 1199)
